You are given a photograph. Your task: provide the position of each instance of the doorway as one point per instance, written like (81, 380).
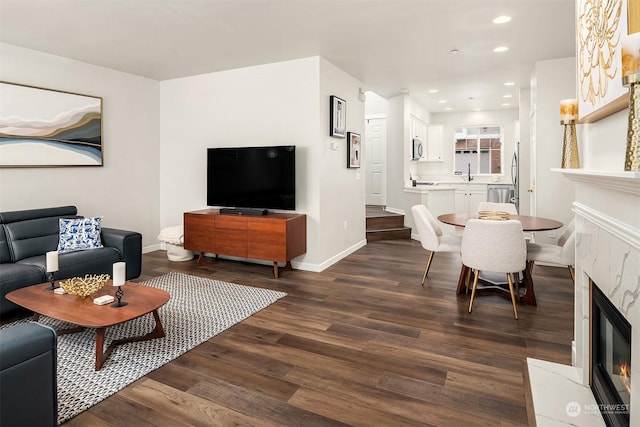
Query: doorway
(375, 159)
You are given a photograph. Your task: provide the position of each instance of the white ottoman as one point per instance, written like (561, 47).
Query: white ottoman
(173, 237)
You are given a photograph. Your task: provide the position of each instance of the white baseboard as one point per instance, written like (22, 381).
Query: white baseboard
(394, 210)
(152, 248)
(328, 263)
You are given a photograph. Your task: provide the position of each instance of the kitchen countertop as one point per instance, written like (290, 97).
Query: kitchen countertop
(449, 184)
(428, 188)
(465, 182)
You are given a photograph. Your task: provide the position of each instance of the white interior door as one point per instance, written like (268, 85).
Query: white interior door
(375, 160)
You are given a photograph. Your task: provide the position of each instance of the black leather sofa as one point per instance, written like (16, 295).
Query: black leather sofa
(26, 236)
(28, 385)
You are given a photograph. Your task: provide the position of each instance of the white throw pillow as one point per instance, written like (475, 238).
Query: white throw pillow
(79, 233)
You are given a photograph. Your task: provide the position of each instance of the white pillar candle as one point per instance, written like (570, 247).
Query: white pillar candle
(630, 54)
(568, 110)
(52, 261)
(119, 273)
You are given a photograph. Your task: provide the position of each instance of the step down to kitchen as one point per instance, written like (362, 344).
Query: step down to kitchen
(385, 225)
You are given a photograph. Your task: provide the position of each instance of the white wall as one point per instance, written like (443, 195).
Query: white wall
(525, 148)
(342, 190)
(397, 151)
(375, 104)
(604, 142)
(285, 103)
(554, 80)
(418, 110)
(125, 190)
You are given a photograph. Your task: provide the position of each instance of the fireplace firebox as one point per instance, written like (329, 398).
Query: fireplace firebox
(610, 377)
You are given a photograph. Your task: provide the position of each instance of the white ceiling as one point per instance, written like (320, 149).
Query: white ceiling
(390, 46)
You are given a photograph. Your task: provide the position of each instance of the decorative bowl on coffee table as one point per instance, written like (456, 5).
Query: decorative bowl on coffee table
(84, 286)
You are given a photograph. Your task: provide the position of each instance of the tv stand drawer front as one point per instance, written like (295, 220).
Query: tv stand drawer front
(268, 239)
(279, 238)
(231, 222)
(199, 232)
(231, 235)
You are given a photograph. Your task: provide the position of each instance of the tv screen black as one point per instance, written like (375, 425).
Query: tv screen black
(252, 177)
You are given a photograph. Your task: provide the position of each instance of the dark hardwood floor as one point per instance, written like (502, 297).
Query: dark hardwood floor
(361, 343)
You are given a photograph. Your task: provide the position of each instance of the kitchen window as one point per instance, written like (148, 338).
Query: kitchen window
(478, 150)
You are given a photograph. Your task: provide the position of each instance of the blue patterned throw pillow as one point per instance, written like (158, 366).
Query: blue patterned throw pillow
(79, 233)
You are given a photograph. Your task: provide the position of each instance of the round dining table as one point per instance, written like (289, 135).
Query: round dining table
(529, 223)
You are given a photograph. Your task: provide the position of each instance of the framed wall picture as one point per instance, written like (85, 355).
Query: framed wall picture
(338, 117)
(354, 150)
(46, 128)
(600, 26)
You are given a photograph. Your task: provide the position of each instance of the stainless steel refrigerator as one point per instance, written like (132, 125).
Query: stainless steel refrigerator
(515, 176)
(508, 193)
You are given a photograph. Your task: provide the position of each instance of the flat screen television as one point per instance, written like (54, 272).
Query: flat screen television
(252, 177)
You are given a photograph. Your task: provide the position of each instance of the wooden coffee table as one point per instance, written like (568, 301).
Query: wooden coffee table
(84, 313)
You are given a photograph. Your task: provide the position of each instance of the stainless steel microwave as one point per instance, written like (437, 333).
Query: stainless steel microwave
(416, 152)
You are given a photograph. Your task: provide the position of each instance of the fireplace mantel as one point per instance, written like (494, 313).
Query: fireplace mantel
(628, 182)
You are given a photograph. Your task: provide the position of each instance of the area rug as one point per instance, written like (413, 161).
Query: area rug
(199, 309)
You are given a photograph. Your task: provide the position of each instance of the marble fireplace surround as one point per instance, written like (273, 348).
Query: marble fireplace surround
(607, 209)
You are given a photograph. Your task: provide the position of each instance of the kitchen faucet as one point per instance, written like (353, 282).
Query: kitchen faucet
(469, 177)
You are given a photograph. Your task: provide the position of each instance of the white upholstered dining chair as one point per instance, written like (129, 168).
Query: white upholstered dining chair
(431, 236)
(563, 253)
(509, 208)
(495, 246)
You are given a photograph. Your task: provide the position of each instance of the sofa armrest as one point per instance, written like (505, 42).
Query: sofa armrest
(129, 244)
(28, 386)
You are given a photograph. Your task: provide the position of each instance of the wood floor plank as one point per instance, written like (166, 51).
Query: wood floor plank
(456, 400)
(119, 410)
(209, 368)
(186, 407)
(361, 343)
(492, 387)
(255, 404)
(347, 411)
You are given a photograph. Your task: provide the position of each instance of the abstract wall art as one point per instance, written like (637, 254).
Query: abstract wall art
(47, 128)
(600, 25)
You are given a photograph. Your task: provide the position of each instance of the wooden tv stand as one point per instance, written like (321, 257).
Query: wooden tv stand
(276, 237)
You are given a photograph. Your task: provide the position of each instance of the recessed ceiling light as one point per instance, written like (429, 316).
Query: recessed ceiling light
(454, 51)
(503, 19)
(501, 49)
(433, 90)
(507, 96)
(448, 109)
(506, 104)
(509, 83)
(442, 101)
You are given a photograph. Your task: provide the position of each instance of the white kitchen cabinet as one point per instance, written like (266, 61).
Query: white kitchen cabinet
(431, 137)
(434, 143)
(469, 196)
(417, 130)
(438, 199)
